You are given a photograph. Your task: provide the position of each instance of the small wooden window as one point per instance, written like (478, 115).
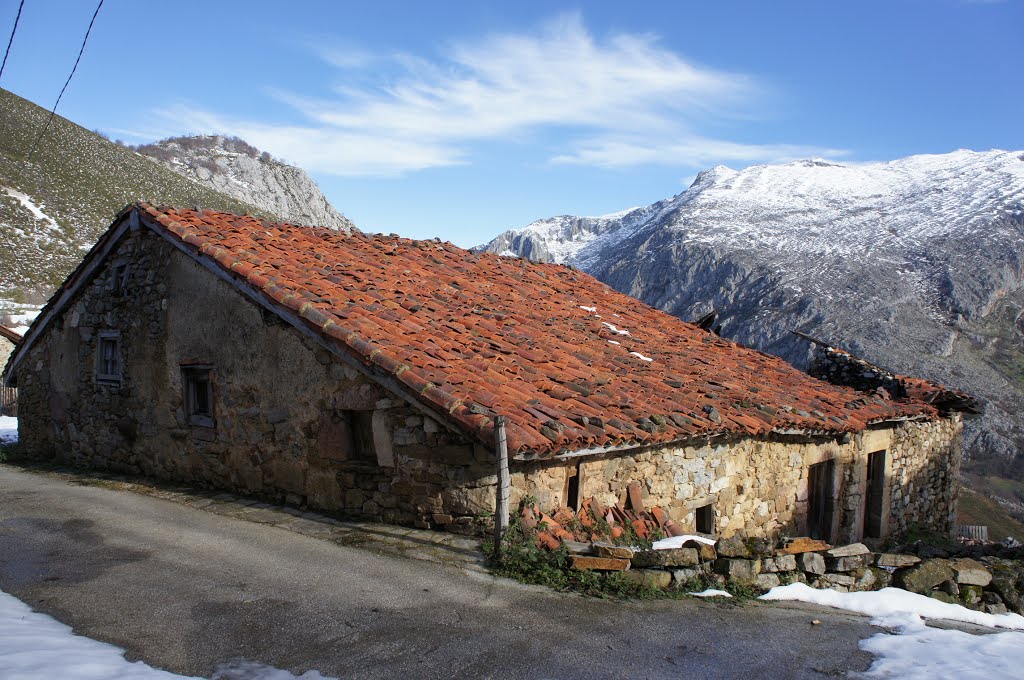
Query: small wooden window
(706, 519)
(197, 384)
(119, 278)
(108, 357)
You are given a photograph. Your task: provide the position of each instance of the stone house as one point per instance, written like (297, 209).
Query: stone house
(9, 339)
(362, 374)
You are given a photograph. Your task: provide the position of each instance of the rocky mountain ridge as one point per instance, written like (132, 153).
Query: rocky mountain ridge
(916, 265)
(235, 168)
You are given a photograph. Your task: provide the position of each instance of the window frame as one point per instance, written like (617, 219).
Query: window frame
(192, 377)
(119, 273)
(115, 362)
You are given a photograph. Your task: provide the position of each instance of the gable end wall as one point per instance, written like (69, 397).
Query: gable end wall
(276, 395)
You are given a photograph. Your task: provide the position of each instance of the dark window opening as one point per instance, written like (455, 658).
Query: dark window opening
(820, 501)
(360, 436)
(108, 357)
(706, 519)
(119, 278)
(874, 511)
(573, 479)
(197, 384)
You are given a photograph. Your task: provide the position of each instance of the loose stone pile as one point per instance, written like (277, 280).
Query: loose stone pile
(985, 578)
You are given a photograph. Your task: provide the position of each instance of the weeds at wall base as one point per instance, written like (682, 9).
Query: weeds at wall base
(523, 561)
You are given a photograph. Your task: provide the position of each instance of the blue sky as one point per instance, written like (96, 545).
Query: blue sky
(462, 119)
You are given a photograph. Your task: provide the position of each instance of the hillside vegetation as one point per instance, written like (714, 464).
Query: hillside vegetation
(59, 195)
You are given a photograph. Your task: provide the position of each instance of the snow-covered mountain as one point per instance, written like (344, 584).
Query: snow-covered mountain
(238, 169)
(916, 264)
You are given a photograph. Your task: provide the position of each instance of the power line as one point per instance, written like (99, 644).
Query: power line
(53, 112)
(9, 42)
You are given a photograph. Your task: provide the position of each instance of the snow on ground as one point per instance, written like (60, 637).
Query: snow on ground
(34, 646)
(711, 592)
(27, 203)
(8, 430)
(915, 651)
(20, 321)
(918, 652)
(678, 542)
(893, 601)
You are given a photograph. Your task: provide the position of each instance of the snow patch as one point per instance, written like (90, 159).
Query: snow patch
(674, 542)
(588, 309)
(893, 601)
(711, 592)
(27, 203)
(613, 329)
(640, 356)
(33, 645)
(914, 651)
(918, 652)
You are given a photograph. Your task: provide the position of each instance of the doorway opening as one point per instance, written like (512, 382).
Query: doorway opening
(874, 511)
(820, 500)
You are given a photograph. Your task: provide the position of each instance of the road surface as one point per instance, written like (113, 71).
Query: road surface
(185, 590)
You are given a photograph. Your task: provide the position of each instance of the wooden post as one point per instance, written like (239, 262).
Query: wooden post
(504, 489)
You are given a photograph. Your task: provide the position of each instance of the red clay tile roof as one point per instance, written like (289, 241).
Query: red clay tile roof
(570, 363)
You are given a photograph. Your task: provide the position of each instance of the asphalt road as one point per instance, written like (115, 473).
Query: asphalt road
(186, 590)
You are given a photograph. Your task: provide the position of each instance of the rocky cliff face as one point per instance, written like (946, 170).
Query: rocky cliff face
(916, 264)
(233, 167)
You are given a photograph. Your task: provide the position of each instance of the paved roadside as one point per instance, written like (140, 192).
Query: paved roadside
(431, 546)
(185, 590)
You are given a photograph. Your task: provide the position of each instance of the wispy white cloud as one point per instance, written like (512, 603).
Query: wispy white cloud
(687, 151)
(629, 99)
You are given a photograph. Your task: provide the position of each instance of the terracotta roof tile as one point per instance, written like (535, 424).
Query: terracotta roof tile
(476, 335)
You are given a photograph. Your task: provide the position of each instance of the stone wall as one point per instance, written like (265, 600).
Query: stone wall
(759, 487)
(280, 402)
(924, 479)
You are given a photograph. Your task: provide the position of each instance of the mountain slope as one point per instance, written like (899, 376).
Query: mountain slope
(55, 201)
(917, 264)
(237, 169)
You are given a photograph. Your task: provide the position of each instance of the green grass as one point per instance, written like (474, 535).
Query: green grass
(974, 508)
(79, 179)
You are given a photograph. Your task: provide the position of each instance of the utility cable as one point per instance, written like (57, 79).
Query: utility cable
(11, 41)
(53, 112)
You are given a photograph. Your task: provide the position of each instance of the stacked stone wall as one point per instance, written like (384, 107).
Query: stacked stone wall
(924, 480)
(759, 487)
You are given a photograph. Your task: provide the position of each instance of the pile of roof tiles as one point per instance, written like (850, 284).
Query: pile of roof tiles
(594, 523)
